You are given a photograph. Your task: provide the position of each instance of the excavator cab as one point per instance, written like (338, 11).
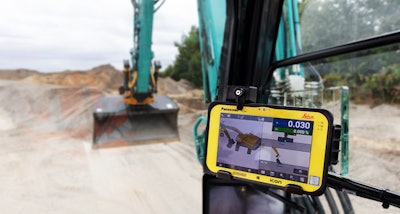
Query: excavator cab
(256, 48)
(138, 114)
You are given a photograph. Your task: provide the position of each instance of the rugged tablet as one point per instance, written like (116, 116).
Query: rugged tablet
(286, 147)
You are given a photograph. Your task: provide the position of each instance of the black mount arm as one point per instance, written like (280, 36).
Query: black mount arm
(363, 190)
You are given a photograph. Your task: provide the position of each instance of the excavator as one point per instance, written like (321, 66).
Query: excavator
(138, 114)
(252, 54)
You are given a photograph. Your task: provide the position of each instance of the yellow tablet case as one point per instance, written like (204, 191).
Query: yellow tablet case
(285, 147)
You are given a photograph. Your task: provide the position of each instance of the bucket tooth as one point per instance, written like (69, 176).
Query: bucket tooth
(119, 124)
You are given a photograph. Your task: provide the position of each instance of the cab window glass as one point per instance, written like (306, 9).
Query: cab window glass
(321, 24)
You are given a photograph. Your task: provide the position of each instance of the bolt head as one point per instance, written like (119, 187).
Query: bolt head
(239, 92)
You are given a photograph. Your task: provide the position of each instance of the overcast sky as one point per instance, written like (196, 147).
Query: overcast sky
(48, 35)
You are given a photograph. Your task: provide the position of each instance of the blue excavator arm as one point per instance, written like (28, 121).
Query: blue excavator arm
(140, 80)
(139, 115)
(212, 18)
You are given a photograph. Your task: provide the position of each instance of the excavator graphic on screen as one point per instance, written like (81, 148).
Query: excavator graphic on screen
(277, 156)
(249, 140)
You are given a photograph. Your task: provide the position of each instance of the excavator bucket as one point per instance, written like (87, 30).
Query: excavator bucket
(119, 124)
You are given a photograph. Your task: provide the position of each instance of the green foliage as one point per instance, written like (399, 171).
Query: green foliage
(333, 79)
(168, 72)
(373, 75)
(187, 64)
(326, 23)
(384, 86)
(377, 88)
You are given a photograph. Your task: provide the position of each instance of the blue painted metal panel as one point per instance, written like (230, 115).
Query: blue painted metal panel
(212, 16)
(142, 37)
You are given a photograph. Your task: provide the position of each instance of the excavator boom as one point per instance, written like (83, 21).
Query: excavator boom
(138, 115)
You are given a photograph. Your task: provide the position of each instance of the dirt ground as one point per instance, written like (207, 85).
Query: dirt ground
(47, 164)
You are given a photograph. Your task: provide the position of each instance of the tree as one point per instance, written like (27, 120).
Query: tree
(328, 23)
(187, 64)
(370, 74)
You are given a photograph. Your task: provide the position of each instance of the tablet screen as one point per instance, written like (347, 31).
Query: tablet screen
(264, 145)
